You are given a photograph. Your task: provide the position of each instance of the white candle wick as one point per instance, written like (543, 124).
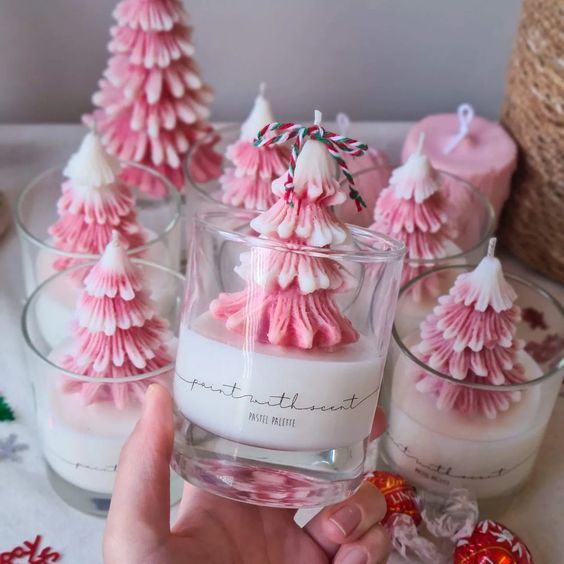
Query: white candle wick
(491, 246)
(420, 143)
(343, 123)
(465, 114)
(317, 116)
(115, 237)
(262, 89)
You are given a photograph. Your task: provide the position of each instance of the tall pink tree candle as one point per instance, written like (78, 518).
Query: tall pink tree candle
(152, 102)
(470, 147)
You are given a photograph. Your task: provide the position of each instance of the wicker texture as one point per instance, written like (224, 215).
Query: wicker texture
(532, 225)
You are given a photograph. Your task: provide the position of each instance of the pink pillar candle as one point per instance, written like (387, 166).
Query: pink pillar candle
(471, 147)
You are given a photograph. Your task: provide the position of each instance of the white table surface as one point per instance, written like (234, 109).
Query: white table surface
(28, 506)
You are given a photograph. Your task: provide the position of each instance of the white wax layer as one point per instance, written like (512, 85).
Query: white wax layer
(329, 397)
(440, 450)
(56, 307)
(82, 443)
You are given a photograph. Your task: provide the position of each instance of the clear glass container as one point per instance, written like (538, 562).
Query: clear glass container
(472, 216)
(36, 211)
(279, 424)
(439, 449)
(81, 442)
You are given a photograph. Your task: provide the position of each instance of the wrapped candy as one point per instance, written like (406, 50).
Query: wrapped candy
(491, 543)
(455, 520)
(403, 517)
(400, 496)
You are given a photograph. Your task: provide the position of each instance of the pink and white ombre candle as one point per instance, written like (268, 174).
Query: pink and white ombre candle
(467, 404)
(246, 184)
(470, 147)
(90, 387)
(283, 337)
(66, 218)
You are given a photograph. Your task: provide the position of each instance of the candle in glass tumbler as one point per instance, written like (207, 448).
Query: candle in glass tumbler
(289, 310)
(84, 423)
(277, 376)
(444, 434)
(94, 202)
(470, 147)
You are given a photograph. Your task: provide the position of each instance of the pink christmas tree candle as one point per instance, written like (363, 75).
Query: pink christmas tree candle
(94, 203)
(470, 147)
(461, 431)
(153, 102)
(375, 167)
(116, 334)
(413, 209)
(471, 336)
(290, 302)
(247, 183)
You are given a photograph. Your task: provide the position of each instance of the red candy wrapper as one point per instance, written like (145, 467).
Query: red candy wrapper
(491, 543)
(400, 496)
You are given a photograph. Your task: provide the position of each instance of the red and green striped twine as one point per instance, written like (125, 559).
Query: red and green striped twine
(336, 144)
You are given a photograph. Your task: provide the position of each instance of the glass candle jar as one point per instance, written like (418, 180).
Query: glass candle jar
(278, 424)
(81, 441)
(438, 448)
(36, 211)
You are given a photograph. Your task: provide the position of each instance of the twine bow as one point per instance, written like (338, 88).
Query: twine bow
(335, 145)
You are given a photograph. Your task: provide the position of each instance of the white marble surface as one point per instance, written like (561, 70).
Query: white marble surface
(29, 506)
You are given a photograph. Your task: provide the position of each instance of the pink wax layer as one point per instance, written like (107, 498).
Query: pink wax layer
(486, 157)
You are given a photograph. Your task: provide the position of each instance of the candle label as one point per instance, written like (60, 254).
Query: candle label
(440, 463)
(277, 401)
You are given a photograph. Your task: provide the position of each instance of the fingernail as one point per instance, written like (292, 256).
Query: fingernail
(355, 556)
(346, 519)
(150, 390)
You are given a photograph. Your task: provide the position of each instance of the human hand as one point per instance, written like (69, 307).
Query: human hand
(211, 529)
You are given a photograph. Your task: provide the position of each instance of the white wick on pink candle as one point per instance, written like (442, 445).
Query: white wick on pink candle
(262, 89)
(420, 143)
(317, 117)
(343, 123)
(491, 246)
(465, 114)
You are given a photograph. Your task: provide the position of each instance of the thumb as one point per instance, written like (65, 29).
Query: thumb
(140, 506)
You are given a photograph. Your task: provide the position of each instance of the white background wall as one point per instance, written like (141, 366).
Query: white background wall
(376, 59)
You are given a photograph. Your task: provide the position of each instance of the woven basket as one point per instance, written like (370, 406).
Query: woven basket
(532, 225)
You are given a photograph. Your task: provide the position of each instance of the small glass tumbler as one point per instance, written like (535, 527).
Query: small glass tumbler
(82, 441)
(36, 211)
(438, 448)
(260, 418)
(470, 214)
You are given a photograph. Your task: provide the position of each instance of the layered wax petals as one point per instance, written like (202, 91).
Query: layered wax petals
(285, 318)
(149, 14)
(308, 221)
(287, 269)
